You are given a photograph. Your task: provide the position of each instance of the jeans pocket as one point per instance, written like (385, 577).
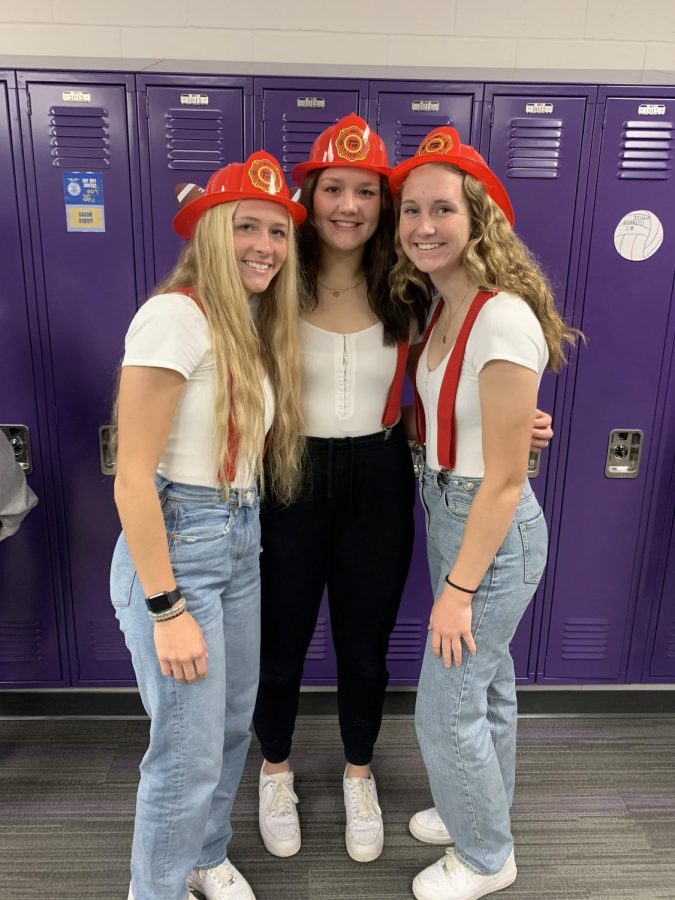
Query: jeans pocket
(534, 536)
(202, 526)
(122, 579)
(455, 508)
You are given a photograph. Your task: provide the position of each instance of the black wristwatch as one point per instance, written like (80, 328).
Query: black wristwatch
(159, 603)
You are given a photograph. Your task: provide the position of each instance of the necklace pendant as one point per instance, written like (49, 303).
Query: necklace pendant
(444, 337)
(336, 293)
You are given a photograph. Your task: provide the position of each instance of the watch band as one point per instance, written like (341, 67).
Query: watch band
(163, 601)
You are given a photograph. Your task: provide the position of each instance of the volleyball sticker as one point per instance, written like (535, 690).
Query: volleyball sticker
(638, 235)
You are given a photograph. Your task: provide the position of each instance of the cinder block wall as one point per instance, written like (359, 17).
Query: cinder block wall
(518, 34)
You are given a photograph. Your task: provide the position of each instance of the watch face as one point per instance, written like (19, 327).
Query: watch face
(158, 603)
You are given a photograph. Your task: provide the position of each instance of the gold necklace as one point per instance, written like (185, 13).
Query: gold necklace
(337, 291)
(453, 314)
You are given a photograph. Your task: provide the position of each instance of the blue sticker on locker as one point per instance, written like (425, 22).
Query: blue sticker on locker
(83, 194)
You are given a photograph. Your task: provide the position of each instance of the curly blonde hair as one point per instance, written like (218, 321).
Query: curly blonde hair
(497, 260)
(208, 266)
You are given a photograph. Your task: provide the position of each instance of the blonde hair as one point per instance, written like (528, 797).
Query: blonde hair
(496, 259)
(208, 266)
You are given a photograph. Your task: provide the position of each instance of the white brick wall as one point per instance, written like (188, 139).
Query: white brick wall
(562, 34)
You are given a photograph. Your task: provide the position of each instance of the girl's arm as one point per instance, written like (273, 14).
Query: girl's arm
(148, 399)
(508, 396)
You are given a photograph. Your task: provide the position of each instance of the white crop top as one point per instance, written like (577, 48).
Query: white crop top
(170, 331)
(346, 379)
(505, 328)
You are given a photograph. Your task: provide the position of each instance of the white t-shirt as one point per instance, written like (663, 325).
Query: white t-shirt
(346, 379)
(171, 332)
(505, 328)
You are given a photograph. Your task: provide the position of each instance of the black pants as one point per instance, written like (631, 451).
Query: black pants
(352, 531)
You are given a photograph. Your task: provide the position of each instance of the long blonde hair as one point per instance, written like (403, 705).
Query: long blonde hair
(496, 259)
(208, 265)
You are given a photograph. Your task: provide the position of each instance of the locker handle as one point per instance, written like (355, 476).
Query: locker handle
(624, 449)
(19, 437)
(107, 449)
(533, 464)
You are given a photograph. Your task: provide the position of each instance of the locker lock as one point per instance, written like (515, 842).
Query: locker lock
(19, 438)
(623, 453)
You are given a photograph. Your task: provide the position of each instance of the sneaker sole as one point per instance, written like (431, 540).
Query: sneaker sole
(430, 836)
(421, 893)
(284, 851)
(362, 854)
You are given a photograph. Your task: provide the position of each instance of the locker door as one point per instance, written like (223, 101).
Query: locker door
(189, 130)
(625, 315)
(405, 114)
(406, 111)
(29, 637)
(76, 137)
(662, 663)
(536, 148)
(290, 116)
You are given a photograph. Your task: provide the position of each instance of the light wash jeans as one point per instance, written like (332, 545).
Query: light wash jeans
(199, 732)
(466, 717)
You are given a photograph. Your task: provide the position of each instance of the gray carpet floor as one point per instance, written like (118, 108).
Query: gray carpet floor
(594, 815)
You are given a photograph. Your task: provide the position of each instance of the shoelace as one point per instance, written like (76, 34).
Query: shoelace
(452, 864)
(365, 805)
(283, 799)
(223, 875)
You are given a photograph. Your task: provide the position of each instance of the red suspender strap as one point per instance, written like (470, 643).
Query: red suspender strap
(232, 436)
(447, 435)
(419, 408)
(393, 405)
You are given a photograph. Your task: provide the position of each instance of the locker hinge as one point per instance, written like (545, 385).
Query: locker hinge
(29, 105)
(379, 114)
(492, 115)
(262, 108)
(147, 106)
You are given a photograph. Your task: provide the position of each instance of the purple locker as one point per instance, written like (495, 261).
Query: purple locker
(78, 140)
(405, 111)
(189, 127)
(590, 605)
(537, 140)
(291, 113)
(661, 665)
(30, 642)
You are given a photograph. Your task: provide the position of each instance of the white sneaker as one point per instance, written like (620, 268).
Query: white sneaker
(427, 826)
(450, 879)
(223, 882)
(277, 814)
(364, 834)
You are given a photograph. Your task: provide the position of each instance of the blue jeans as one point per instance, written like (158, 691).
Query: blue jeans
(466, 716)
(199, 732)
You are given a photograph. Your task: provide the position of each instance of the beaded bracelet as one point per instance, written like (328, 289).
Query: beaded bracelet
(176, 610)
(457, 587)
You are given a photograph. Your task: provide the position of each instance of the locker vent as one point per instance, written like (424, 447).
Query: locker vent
(20, 642)
(80, 137)
(407, 640)
(534, 148)
(646, 151)
(194, 139)
(318, 646)
(297, 137)
(585, 639)
(106, 641)
(409, 133)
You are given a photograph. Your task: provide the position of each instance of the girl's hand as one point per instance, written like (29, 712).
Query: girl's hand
(181, 648)
(450, 624)
(541, 431)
